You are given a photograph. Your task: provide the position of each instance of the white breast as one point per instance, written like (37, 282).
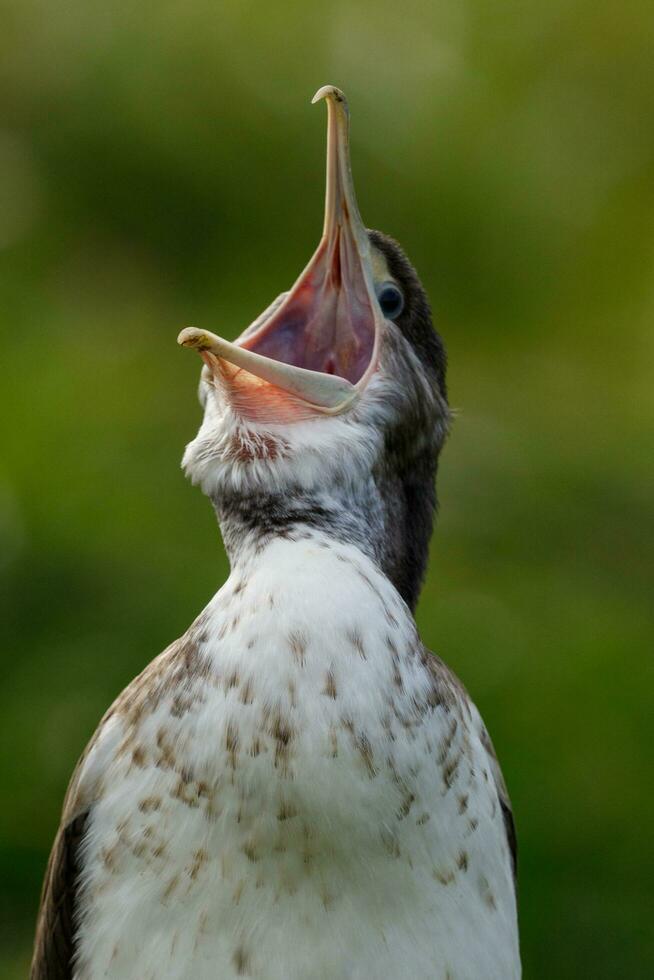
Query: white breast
(291, 796)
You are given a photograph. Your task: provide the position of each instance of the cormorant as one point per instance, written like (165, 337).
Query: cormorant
(296, 789)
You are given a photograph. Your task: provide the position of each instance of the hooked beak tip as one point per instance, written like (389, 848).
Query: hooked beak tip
(330, 92)
(193, 338)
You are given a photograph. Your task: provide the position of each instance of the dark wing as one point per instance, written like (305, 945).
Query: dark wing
(509, 826)
(53, 946)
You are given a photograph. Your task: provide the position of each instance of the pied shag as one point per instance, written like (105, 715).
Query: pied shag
(296, 789)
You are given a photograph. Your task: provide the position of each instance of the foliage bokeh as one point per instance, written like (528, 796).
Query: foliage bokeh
(161, 166)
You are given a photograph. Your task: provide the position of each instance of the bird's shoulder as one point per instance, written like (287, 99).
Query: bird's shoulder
(449, 689)
(55, 931)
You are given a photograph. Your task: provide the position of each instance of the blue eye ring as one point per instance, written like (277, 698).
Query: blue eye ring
(390, 299)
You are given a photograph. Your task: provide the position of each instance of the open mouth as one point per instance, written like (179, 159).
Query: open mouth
(320, 343)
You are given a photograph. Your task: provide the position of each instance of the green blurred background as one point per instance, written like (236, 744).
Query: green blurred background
(160, 165)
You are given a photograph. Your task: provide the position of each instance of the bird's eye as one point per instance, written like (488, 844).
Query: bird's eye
(391, 300)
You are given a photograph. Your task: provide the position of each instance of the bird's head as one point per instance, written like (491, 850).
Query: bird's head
(336, 394)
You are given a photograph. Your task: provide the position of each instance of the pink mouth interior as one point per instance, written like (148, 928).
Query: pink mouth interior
(326, 323)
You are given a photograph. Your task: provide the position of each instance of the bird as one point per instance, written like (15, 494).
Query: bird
(297, 787)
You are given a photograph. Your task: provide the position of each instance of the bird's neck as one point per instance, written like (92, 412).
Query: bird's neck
(346, 514)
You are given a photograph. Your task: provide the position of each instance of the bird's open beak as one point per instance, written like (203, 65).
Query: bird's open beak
(315, 350)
